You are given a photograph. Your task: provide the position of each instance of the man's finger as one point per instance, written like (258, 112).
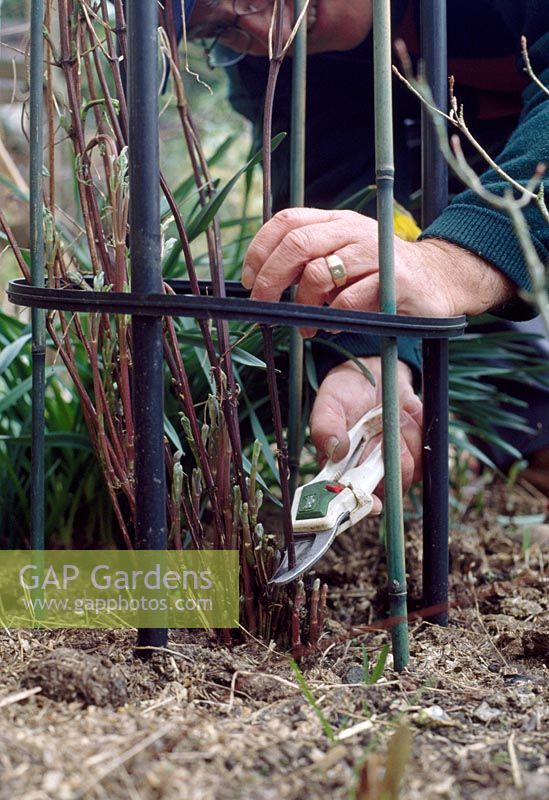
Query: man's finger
(329, 427)
(300, 247)
(363, 295)
(273, 232)
(317, 285)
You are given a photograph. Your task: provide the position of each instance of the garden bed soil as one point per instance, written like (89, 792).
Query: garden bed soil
(81, 717)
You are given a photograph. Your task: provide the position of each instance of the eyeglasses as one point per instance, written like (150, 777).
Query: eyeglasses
(211, 34)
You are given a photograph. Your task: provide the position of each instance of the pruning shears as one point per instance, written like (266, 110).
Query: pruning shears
(337, 498)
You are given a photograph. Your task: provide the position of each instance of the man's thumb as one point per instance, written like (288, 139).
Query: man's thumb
(329, 435)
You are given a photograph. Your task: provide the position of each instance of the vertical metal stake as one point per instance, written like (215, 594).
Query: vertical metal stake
(148, 382)
(435, 480)
(36, 209)
(435, 353)
(297, 198)
(391, 422)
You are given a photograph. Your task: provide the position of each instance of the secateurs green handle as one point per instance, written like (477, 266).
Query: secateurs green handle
(337, 498)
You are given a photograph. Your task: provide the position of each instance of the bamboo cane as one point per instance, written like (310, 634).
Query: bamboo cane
(391, 427)
(297, 198)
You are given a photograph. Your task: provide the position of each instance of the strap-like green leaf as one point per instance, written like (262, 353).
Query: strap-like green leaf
(207, 213)
(10, 353)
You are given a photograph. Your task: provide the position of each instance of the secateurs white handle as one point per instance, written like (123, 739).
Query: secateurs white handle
(339, 496)
(341, 486)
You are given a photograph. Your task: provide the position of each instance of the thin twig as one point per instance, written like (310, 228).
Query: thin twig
(17, 697)
(455, 118)
(528, 65)
(515, 766)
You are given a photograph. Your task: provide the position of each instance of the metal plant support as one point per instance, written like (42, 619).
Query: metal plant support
(36, 227)
(434, 180)
(148, 304)
(146, 278)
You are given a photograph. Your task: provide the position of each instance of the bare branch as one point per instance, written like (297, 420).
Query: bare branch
(528, 66)
(508, 203)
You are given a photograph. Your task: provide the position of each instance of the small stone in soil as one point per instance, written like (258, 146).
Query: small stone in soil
(486, 713)
(354, 674)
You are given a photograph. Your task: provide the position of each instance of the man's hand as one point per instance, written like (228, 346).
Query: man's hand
(433, 277)
(346, 394)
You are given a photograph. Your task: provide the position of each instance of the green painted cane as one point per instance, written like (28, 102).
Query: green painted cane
(297, 198)
(389, 354)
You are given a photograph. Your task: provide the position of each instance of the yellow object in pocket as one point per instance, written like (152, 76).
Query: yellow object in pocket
(405, 225)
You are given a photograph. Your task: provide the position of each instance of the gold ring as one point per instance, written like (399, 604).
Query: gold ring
(337, 270)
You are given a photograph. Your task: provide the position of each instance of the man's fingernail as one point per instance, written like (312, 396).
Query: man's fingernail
(331, 446)
(247, 278)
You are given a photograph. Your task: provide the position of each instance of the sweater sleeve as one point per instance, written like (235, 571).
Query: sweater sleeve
(487, 232)
(330, 350)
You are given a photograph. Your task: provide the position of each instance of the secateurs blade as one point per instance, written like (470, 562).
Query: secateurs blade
(337, 498)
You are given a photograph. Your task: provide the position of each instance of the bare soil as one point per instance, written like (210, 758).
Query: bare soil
(83, 718)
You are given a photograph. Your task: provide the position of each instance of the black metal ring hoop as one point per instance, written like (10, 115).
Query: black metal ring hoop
(236, 306)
